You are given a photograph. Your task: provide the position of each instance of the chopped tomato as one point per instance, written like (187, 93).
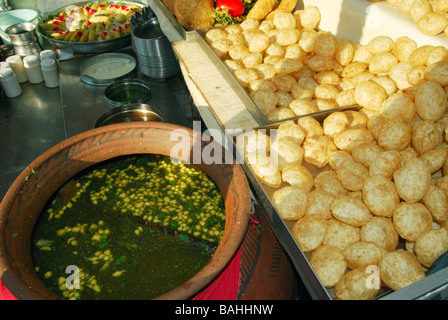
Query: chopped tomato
(234, 7)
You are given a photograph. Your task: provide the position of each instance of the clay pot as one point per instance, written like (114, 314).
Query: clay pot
(30, 192)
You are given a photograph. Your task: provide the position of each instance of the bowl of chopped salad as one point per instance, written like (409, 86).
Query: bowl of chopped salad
(90, 27)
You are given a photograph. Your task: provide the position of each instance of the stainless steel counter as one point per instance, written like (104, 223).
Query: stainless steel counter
(41, 117)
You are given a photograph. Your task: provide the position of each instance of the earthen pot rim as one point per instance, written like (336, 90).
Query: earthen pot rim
(97, 145)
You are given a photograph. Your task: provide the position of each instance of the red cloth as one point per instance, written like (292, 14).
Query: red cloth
(4, 293)
(225, 287)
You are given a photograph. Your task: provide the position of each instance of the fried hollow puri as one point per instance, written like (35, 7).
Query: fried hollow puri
(194, 14)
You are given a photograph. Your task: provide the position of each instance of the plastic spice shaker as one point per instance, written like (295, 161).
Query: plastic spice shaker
(16, 64)
(50, 73)
(32, 68)
(10, 84)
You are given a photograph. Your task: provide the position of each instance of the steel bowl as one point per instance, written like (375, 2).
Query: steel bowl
(127, 91)
(130, 113)
(86, 47)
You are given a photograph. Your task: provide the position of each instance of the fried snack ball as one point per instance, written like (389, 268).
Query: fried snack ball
(325, 45)
(435, 159)
(382, 62)
(238, 52)
(307, 39)
(265, 169)
(438, 72)
(430, 245)
(319, 204)
(278, 114)
(284, 20)
(291, 129)
(436, 201)
(338, 158)
(370, 95)
(426, 136)
(329, 264)
(432, 23)
(380, 196)
(317, 150)
(258, 42)
(352, 175)
(265, 71)
(215, 34)
(261, 84)
(250, 23)
(350, 210)
(430, 101)
(366, 152)
(287, 37)
(318, 63)
(340, 234)
(399, 74)
(252, 60)
(284, 99)
(352, 286)
(420, 55)
(400, 105)
(286, 150)
(303, 107)
(380, 44)
(297, 175)
(290, 202)
(265, 100)
(309, 17)
(288, 66)
(254, 141)
(295, 52)
(311, 126)
(194, 14)
(395, 134)
(344, 53)
(361, 254)
(284, 82)
(440, 53)
(309, 232)
(403, 47)
(329, 182)
(399, 269)
(411, 220)
(419, 8)
(412, 180)
(381, 231)
(234, 65)
(221, 46)
(336, 122)
(385, 164)
(350, 138)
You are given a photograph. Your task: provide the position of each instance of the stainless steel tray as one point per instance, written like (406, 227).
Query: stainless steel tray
(434, 286)
(87, 47)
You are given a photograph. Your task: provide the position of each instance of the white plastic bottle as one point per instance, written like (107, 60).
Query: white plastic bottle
(10, 84)
(16, 64)
(50, 72)
(47, 54)
(32, 68)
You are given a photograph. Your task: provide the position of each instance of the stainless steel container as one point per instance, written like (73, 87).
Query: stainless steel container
(127, 91)
(24, 38)
(130, 113)
(154, 51)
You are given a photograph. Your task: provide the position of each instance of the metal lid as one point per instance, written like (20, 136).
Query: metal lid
(130, 113)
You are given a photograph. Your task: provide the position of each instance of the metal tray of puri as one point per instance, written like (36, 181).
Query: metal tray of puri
(86, 47)
(433, 286)
(228, 74)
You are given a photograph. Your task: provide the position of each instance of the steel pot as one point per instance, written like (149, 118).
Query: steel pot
(29, 193)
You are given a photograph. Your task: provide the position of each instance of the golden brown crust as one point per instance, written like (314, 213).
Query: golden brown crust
(261, 9)
(194, 14)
